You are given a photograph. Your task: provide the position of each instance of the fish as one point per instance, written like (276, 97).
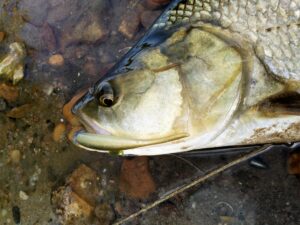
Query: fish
(208, 74)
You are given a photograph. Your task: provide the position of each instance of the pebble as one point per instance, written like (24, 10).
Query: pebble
(19, 112)
(136, 180)
(84, 182)
(3, 105)
(88, 30)
(294, 163)
(23, 196)
(2, 36)
(104, 213)
(16, 214)
(56, 60)
(69, 207)
(8, 92)
(59, 132)
(34, 11)
(15, 156)
(129, 24)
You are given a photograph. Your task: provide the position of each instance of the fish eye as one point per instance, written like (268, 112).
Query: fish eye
(106, 97)
(106, 100)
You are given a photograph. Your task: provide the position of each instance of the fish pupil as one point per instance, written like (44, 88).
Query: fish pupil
(108, 102)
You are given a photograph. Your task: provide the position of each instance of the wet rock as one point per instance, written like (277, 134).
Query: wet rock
(129, 24)
(70, 208)
(59, 132)
(104, 214)
(56, 60)
(8, 92)
(34, 11)
(23, 195)
(85, 183)
(105, 57)
(3, 105)
(136, 180)
(148, 17)
(15, 156)
(88, 30)
(16, 213)
(19, 112)
(48, 36)
(75, 202)
(32, 36)
(154, 4)
(60, 11)
(2, 36)
(90, 67)
(12, 65)
(294, 163)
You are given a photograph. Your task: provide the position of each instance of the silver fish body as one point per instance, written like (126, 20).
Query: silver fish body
(212, 74)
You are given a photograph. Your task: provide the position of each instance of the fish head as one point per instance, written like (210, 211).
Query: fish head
(184, 88)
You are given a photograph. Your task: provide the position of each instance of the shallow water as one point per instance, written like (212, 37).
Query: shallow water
(33, 166)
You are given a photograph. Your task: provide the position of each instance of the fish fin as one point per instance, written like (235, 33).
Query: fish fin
(287, 103)
(219, 151)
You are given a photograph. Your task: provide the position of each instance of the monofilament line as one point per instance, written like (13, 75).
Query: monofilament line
(195, 182)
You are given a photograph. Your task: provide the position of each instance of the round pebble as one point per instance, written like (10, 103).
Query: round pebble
(23, 196)
(56, 60)
(15, 156)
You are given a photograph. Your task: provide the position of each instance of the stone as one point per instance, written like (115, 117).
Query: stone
(19, 112)
(34, 11)
(48, 36)
(85, 183)
(56, 60)
(88, 29)
(136, 180)
(3, 105)
(15, 156)
(32, 36)
(294, 163)
(2, 36)
(70, 208)
(23, 196)
(104, 213)
(8, 92)
(148, 17)
(129, 24)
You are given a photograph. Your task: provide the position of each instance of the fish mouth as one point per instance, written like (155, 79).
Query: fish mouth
(108, 143)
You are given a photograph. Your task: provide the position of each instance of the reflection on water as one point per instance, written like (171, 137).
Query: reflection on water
(46, 180)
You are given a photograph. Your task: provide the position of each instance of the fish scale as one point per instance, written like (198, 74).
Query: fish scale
(267, 24)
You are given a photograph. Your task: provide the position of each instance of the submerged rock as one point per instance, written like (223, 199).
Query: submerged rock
(70, 208)
(89, 29)
(136, 180)
(129, 24)
(56, 60)
(75, 202)
(294, 163)
(11, 66)
(8, 92)
(38, 38)
(34, 11)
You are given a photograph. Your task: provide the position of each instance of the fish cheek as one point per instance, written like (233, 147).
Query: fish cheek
(150, 110)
